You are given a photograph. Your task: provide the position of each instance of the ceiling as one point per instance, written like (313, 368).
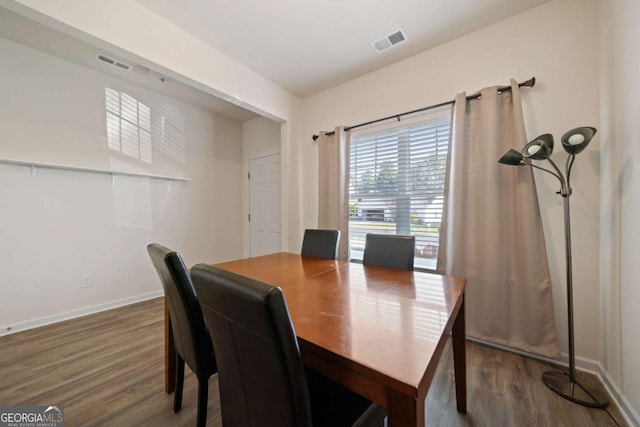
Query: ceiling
(307, 46)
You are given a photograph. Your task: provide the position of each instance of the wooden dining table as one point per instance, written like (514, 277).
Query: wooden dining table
(378, 331)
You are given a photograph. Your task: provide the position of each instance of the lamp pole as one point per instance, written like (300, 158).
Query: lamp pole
(567, 245)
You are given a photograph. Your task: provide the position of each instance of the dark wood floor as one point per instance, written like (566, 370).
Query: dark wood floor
(107, 369)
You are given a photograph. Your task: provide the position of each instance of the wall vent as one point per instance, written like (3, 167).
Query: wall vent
(390, 40)
(113, 62)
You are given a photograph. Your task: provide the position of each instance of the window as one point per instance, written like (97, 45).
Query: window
(128, 125)
(397, 184)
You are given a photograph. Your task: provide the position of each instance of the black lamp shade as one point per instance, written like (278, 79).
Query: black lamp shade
(576, 140)
(511, 157)
(540, 148)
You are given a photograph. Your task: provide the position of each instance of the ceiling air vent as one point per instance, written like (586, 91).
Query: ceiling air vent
(390, 40)
(114, 62)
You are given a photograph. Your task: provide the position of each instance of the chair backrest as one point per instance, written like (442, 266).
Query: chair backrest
(392, 251)
(260, 372)
(321, 243)
(190, 334)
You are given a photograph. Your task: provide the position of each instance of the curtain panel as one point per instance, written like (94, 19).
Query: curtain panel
(491, 231)
(333, 186)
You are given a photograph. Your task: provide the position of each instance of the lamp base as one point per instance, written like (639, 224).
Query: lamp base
(591, 395)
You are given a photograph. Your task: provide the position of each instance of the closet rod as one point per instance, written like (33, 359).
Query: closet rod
(529, 83)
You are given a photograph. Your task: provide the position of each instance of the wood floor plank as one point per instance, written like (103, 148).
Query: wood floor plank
(107, 369)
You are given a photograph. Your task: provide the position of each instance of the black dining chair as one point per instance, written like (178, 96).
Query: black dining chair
(190, 333)
(261, 376)
(320, 243)
(387, 250)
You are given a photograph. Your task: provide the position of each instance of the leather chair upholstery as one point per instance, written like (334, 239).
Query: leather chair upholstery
(321, 243)
(392, 251)
(190, 334)
(261, 376)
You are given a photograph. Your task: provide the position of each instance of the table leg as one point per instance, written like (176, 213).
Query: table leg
(169, 354)
(459, 359)
(404, 410)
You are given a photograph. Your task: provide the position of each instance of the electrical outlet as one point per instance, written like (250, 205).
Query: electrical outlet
(85, 281)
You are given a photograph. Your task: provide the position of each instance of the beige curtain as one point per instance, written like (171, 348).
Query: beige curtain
(333, 186)
(491, 227)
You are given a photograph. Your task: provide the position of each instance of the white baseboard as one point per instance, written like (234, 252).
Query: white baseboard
(586, 365)
(630, 415)
(55, 318)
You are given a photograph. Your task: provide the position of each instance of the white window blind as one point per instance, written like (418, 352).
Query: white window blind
(397, 184)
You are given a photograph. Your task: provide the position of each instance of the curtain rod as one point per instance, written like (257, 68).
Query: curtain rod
(529, 83)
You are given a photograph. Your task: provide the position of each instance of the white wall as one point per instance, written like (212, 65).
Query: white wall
(620, 202)
(260, 138)
(555, 42)
(70, 223)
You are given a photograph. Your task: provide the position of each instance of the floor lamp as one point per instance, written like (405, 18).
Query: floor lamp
(573, 142)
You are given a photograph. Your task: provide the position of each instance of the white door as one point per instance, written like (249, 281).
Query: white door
(264, 205)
